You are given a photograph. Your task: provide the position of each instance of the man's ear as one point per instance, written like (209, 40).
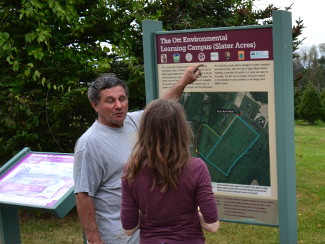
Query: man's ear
(94, 105)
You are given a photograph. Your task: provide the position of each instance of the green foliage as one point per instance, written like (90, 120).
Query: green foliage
(189, 14)
(309, 69)
(309, 66)
(322, 98)
(48, 47)
(67, 117)
(310, 107)
(297, 100)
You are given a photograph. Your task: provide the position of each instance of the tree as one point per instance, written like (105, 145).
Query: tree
(309, 65)
(322, 98)
(310, 107)
(49, 52)
(297, 100)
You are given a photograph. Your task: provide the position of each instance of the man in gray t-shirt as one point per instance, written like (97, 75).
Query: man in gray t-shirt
(102, 151)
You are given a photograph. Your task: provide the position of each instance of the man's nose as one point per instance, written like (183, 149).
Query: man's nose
(118, 104)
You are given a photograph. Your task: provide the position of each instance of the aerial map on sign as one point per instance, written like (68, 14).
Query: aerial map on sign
(231, 135)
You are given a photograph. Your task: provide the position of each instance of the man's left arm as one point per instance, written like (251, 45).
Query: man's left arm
(189, 76)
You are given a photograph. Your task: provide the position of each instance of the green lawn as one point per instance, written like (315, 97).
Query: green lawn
(40, 228)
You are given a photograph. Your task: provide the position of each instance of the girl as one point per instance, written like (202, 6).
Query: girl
(162, 186)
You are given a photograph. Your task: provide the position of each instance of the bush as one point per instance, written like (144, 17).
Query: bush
(322, 98)
(310, 107)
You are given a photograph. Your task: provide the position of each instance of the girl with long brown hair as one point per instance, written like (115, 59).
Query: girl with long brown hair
(162, 186)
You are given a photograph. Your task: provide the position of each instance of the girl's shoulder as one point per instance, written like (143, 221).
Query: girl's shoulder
(196, 163)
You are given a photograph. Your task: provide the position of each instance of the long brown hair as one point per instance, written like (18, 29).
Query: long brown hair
(163, 144)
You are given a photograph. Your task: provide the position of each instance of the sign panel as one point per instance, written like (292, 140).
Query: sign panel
(38, 180)
(231, 108)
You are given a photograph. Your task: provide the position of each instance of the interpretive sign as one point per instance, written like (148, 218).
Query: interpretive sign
(38, 179)
(231, 108)
(241, 110)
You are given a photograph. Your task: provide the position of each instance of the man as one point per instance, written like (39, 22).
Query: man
(102, 151)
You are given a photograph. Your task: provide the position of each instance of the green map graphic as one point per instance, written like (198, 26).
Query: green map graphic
(231, 135)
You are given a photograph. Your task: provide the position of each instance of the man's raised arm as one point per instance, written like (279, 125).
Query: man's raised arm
(189, 76)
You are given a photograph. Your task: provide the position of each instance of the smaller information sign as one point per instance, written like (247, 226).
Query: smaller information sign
(38, 179)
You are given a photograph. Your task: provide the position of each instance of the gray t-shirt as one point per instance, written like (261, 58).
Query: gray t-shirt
(100, 155)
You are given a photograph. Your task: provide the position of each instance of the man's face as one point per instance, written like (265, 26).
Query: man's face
(112, 106)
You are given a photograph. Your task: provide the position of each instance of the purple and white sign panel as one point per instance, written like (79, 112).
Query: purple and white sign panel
(233, 59)
(38, 179)
(215, 46)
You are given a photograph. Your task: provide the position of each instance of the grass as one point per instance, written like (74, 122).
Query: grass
(310, 158)
(37, 228)
(41, 228)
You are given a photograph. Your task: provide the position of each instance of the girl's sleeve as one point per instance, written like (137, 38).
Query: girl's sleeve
(204, 195)
(129, 208)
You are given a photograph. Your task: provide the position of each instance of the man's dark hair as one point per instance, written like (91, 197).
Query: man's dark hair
(104, 82)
